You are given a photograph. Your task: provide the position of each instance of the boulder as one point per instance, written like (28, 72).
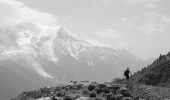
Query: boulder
(102, 86)
(92, 94)
(127, 98)
(83, 98)
(124, 91)
(46, 98)
(98, 91)
(91, 87)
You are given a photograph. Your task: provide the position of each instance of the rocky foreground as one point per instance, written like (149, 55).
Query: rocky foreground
(96, 91)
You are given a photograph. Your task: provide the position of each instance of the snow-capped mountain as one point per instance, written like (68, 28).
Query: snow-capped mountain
(33, 55)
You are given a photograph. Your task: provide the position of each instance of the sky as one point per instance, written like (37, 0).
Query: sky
(140, 26)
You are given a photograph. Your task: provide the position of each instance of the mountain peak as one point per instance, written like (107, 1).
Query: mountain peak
(64, 33)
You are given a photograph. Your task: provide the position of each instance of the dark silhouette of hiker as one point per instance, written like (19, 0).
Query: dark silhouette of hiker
(126, 74)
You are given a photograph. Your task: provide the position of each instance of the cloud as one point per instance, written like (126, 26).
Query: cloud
(36, 24)
(132, 2)
(128, 23)
(150, 5)
(109, 33)
(166, 19)
(152, 28)
(105, 1)
(149, 24)
(111, 37)
(13, 12)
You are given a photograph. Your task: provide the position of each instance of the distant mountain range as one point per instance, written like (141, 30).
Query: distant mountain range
(33, 56)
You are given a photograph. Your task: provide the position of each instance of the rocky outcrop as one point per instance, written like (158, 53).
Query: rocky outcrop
(96, 91)
(78, 91)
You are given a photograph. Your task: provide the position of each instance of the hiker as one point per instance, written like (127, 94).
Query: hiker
(126, 74)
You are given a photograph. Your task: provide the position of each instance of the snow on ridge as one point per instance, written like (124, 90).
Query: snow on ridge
(73, 35)
(11, 52)
(35, 66)
(42, 72)
(7, 53)
(37, 38)
(96, 43)
(27, 38)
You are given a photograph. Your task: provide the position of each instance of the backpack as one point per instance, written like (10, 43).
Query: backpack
(126, 73)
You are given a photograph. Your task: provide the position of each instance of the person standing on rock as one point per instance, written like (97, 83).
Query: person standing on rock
(126, 74)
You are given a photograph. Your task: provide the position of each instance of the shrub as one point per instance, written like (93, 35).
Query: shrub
(91, 87)
(68, 98)
(92, 94)
(85, 92)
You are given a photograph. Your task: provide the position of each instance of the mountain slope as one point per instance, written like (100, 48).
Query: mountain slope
(156, 74)
(33, 55)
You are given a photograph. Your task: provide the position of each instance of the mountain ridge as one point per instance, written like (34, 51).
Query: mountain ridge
(54, 55)
(155, 74)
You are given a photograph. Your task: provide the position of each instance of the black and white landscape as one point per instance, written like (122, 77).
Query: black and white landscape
(58, 57)
(46, 43)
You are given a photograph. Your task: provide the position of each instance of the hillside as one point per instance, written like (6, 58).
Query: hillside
(156, 74)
